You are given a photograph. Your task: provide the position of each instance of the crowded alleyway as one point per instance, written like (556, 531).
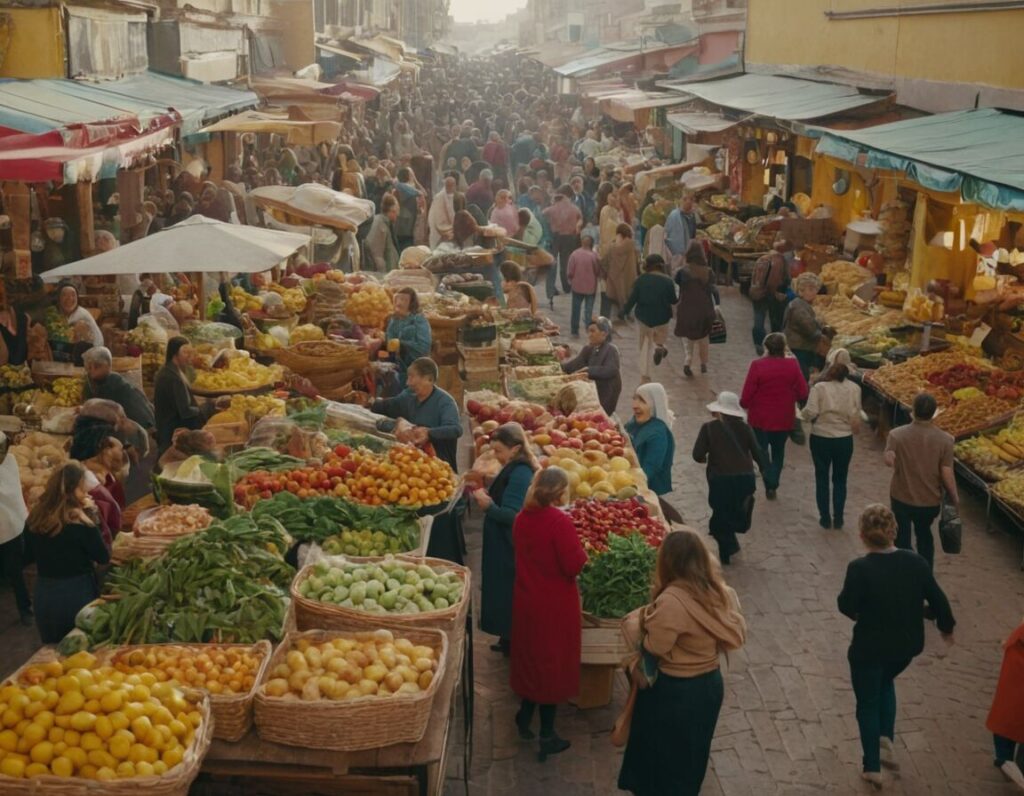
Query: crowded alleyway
(787, 725)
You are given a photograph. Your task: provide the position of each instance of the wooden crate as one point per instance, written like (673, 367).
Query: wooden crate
(602, 642)
(595, 686)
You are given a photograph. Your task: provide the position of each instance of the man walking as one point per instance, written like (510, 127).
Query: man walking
(566, 222)
(768, 285)
(921, 456)
(680, 229)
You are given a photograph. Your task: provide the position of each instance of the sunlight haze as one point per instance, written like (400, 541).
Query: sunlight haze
(484, 10)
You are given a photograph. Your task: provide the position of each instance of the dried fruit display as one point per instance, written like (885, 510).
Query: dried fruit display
(973, 415)
(845, 317)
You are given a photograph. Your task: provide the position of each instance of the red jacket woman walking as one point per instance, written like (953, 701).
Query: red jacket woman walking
(1006, 718)
(545, 660)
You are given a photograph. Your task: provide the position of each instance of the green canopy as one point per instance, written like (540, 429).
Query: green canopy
(978, 152)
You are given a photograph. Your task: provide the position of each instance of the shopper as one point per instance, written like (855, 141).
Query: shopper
(408, 332)
(681, 228)
(801, 326)
(773, 388)
(619, 269)
(768, 284)
(63, 539)
(833, 410)
(728, 446)
(693, 618)
(650, 431)
(584, 274)
(653, 295)
(883, 594)
(174, 406)
(566, 222)
(695, 312)
(12, 523)
(1006, 718)
(600, 359)
(921, 456)
(500, 503)
(546, 627)
(101, 452)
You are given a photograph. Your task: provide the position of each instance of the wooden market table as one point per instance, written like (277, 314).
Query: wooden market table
(398, 770)
(732, 257)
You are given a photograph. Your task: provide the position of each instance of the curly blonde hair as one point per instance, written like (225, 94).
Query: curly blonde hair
(877, 526)
(807, 279)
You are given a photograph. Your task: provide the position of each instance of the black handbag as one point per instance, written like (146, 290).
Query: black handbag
(718, 332)
(951, 529)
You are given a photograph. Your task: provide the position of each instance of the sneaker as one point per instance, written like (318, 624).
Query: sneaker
(659, 354)
(888, 754)
(687, 371)
(873, 778)
(703, 368)
(1013, 773)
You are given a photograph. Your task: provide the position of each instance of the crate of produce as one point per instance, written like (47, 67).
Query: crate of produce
(232, 696)
(156, 528)
(602, 641)
(391, 705)
(443, 601)
(177, 775)
(479, 357)
(475, 334)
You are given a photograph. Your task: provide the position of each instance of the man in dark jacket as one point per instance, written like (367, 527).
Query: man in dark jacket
(101, 382)
(175, 407)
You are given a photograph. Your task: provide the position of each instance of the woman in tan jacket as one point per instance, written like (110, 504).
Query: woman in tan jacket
(693, 618)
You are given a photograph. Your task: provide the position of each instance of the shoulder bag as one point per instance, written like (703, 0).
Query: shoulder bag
(641, 668)
(950, 528)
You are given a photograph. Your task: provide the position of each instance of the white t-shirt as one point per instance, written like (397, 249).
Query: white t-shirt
(12, 504)
(82, 315)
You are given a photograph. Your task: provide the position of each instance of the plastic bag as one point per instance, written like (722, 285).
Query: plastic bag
(950, 529)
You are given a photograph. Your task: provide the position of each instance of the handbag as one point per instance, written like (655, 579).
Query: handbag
(798, 436)
(718, 331)
(620, 729)
(950, 528)
(641, 669)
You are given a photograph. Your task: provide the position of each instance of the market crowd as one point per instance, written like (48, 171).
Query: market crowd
(505, 150)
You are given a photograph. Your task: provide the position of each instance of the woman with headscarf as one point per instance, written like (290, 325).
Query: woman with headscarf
(650, 431)
(728, 446)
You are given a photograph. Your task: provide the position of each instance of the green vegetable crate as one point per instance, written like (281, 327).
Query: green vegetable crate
(312, 614)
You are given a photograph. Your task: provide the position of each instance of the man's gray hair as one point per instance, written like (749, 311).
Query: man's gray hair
(99, 356)
(486, 174)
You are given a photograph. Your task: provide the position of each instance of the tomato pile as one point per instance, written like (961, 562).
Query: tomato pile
(595, 519)
(404, 476)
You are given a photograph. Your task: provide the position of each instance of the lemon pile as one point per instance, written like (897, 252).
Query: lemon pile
(68, 391)
(15, 376)
(241, 373)
(294, 298)
(73, 718)
(370, 306)
(245, 302)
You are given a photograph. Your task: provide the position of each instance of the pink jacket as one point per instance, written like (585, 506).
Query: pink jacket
(771, 391)
(582, 271)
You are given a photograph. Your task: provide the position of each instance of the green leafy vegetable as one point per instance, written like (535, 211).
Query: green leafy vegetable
(618, 581)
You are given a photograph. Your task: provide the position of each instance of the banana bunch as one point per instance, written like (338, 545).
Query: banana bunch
(256, 405)
(14, 376)
(241, 373)
(245, 302)
(68, 391)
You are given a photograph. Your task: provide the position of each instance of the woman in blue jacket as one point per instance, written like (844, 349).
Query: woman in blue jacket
(408, 332)
(501, 502)
(650, 431)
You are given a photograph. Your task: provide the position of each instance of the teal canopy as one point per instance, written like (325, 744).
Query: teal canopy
(978, 152)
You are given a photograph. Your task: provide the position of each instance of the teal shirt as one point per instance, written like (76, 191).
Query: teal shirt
(655, 448)
(413, 332)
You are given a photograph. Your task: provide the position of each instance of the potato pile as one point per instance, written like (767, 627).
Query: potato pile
(37, 454)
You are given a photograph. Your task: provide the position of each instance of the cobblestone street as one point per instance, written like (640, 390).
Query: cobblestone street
(787, 725)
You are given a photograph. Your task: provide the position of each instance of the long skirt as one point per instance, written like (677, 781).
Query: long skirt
(58, 601)
(670, 735)
(727, 496)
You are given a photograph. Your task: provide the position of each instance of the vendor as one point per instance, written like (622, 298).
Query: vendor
(78, 317)
(519, 295)
(141, 298)
(101, 382)
(435, 418)
(600, 359)
(408, 331)
(174, 405)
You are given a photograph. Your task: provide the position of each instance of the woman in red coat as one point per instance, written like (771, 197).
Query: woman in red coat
(545, 664)
(773, 388)
(1006, 718)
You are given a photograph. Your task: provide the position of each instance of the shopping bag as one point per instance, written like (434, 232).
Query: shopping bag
(620, 730)
(950, 529)
(718, 332)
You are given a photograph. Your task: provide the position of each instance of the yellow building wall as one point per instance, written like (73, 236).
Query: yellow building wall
(299, 44)
(34, 43)
(968, 47)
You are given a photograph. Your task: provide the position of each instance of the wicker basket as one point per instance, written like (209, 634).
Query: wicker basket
(353, 724)
(232, 713)
(327, 364)
(315, 615)
(176, 782)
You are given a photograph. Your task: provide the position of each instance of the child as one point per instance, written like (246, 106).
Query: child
(583, 274)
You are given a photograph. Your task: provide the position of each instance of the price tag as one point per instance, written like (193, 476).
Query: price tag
(980, 334)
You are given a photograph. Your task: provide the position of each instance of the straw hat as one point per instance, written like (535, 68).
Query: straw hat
(728, 403)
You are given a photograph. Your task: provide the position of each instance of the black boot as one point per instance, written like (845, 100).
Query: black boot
(523, 725)
(551, 745)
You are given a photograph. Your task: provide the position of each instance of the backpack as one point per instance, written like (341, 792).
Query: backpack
(759, 277)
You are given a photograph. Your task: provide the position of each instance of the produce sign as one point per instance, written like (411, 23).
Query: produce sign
(342, 526)
(618, 581)
(218, 670)
(354, 666)
(108, 725)
(387, 587)
(403, 476)
(224, 584)
(595, 520)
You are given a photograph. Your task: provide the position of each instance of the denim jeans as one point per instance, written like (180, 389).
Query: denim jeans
(586, 302)
(919, 519)
(773, 443)
(564, 246)
(808, 360)
(874, 688)
(831, 454)
(1006, 749)
(766, 309)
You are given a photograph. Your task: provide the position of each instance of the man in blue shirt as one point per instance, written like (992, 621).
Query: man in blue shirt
(681, 226)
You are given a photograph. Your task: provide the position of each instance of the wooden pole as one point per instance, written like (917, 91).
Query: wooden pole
(86, 221)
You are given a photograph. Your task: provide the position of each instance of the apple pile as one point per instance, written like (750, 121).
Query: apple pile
(594, 520)
(588, 431)
(592, 473)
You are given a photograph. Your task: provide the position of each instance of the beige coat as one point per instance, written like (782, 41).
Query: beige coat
(619, 269)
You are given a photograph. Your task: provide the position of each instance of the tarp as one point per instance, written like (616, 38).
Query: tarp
(607, 56)
(317, 204)
(978, 152)
(297, 132)
(622, 107)
(693, 122)
(777, 97)
(195, 245)
(38, 106)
